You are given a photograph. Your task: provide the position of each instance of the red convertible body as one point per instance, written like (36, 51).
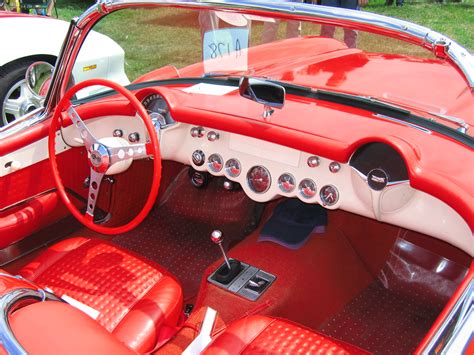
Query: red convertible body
(337, 182)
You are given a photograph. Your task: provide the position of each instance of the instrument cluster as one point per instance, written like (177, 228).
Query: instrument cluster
(265, 176)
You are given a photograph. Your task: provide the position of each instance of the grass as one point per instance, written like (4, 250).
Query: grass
(153, 39)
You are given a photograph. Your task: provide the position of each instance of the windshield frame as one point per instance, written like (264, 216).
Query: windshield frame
(440, 45)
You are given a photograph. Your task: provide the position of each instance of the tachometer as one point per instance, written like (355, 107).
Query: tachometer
(259, 179)
(158, 109)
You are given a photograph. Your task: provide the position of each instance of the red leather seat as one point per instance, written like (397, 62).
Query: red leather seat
(264, 335)
(139, 302)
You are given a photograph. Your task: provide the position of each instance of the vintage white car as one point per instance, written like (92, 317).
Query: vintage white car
(26, 39)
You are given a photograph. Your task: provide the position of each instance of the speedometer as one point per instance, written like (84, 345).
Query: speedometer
(158, 109)
(259, 179)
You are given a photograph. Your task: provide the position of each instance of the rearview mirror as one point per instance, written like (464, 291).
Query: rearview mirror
(38, 78)
(262, 91)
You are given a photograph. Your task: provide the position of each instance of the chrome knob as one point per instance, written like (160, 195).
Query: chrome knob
(217, 237)
(313, 162)
(334, 167)
(212, 136)
(133, 137)
(118, 133)
(197, 132)
(228, 185)
(198, 157)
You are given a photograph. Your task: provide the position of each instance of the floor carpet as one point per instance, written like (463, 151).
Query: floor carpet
(176, 234)
(383, 322)
(312, 283)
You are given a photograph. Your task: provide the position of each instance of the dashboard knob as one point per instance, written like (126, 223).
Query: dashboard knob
(313, 161)
(228, 185)
(118, 133)
(334, 167)
(134, 137)
(212, 136)
(197, 132)
(198, 157)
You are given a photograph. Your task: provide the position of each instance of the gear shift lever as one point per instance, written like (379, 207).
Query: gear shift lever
(217, 238)
(228, 271)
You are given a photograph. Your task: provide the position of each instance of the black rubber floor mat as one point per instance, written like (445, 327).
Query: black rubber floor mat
(176, 234)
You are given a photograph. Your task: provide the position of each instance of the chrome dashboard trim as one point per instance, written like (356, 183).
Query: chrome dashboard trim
(408, 124)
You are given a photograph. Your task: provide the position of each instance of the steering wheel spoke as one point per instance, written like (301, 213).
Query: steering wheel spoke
(102, 155)
(94, 186)
(87, 137)
(133, 151)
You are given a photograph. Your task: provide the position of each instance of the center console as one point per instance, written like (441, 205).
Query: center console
(238, 277)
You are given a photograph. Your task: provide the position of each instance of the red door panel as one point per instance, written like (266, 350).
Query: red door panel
(29, 201)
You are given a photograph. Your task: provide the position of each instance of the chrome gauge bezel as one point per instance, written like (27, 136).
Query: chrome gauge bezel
(228, 167)
(164, 113)
(210, 164)
(324, 202)
(281, 181)
(251, 185)
(301, 192)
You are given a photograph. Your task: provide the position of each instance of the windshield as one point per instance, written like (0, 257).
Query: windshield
(158, 43)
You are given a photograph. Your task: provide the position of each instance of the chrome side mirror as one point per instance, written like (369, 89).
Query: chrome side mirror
(264, 92)
(38, 78)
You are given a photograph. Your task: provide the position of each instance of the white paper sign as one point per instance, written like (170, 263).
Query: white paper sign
(210, 89)
(226, 49)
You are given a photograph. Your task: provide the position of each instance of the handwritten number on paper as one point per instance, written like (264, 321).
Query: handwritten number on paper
(221, 49)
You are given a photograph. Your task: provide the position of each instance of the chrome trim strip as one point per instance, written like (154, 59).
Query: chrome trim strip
(390, 183)
(454, 322)
(423, 129)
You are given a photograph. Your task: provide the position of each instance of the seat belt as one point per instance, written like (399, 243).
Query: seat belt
(204, 337)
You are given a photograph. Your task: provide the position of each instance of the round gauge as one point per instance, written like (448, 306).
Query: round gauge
(233, 167)
(215, 163)
(307, 188)
(286, 182)
(329, 195)
(158, 109)
(259, 179)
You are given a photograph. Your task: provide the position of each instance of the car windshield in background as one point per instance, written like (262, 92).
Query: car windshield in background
(167, 43)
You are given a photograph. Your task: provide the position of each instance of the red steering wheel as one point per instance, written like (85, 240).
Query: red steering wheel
(106, 156)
